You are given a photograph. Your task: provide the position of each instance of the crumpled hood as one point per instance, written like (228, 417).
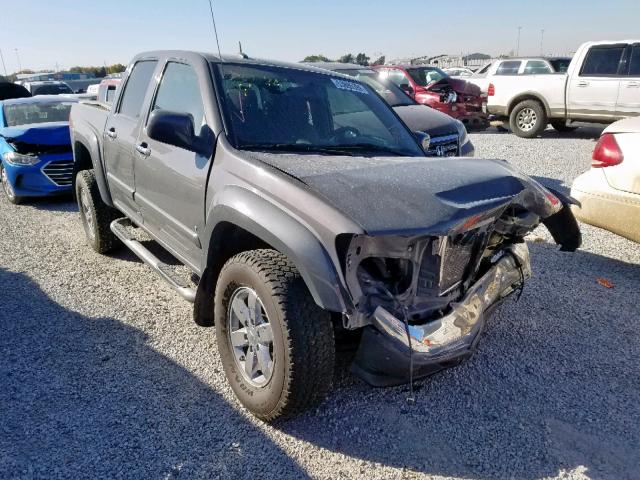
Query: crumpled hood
(421, 118)
(56, 133)
(412, 195)
(458, 85)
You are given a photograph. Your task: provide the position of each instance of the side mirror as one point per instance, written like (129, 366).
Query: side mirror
(424, 139)
(177, 129)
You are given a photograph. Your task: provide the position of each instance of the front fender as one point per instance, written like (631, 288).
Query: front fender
(273, 225)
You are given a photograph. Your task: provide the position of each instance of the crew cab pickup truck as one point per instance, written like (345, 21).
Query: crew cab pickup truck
(602, 85)
(303, 207)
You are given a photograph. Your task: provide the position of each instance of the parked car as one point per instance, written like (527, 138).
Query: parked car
(518, 66)
(93, 89)
(602, 85)
(448, 136)
(35, 147)
(107, 89)
(433, 87)
(48, 87)
(303, 205)
(458, 71)
(609, 193)
(11, 90)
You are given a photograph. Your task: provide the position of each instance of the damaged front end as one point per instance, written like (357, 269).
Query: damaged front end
(423, 299)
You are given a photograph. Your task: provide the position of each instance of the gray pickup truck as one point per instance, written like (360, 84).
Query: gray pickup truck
(304, 208)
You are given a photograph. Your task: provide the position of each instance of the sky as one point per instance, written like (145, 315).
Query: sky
(92, 33)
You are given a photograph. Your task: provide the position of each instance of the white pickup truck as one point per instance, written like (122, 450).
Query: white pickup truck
(602, 85)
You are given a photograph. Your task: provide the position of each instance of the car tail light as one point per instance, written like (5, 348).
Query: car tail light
(607, 152)
(491, 91)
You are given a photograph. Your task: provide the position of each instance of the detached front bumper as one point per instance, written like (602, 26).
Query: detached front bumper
(383, 356)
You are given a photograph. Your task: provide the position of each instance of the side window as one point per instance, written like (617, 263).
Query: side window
(136, 88)
(536, 67)
(179, 91)
(634, 62)
(602, 60)
(510, 67)
(111, 93)
(396, 76)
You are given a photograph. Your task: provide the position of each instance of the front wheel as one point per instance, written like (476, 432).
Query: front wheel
(8, 188)
(276, 345)
(528, 119)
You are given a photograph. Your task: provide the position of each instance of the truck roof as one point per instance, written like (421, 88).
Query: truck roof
(237, 59)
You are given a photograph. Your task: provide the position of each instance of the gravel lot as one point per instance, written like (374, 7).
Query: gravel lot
(103, 373)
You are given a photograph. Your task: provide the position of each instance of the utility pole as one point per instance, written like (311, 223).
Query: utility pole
(541, 42)
(3, 65)
(518, 43)
(18, 58)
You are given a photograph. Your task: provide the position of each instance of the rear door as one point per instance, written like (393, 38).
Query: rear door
(629, 94)
(171, 181)
(592, 93)
(121, 133)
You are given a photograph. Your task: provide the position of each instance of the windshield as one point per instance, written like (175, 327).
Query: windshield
(390, 92)
(560, 65)
(425, 76)
(50, 89)
(28, 113)
(277, 108)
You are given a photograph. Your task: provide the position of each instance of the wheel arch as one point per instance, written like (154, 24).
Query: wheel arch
(528, 96)
(249, 222)
(87, 155)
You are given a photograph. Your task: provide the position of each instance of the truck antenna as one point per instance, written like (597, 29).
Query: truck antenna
(242, 54)
(215, 30)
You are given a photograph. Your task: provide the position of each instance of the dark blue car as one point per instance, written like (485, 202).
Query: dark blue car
(35, 147)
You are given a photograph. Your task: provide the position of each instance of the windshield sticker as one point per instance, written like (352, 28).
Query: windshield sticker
(351, 86)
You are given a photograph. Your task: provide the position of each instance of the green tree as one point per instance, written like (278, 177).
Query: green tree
(348, 58)
(380, 61)
(362, 59)
(316, 58)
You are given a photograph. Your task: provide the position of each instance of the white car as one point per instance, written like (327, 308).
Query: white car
(459, 71)
(610, 191)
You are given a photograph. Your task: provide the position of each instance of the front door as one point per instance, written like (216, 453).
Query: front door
(120, 135)
(592, 94)
(171, 181)
(629, 94)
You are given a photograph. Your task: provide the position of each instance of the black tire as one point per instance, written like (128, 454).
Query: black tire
(561, 127)
(95, 214)
(8, 189)
(528, 119)
(303, 346)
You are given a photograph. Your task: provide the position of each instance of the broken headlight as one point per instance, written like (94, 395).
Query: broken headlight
(15, 158)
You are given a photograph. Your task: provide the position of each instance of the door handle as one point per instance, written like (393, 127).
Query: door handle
(583, 83)
(633, 85)
(111, 133)
(143, 149)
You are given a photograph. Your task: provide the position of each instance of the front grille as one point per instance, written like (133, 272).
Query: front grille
(60, 172)
(443, 146)
(454, 264)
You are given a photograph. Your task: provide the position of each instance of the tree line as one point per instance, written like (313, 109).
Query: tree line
(360, 59)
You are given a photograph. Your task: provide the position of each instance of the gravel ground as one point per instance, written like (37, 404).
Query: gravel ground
(103, 374)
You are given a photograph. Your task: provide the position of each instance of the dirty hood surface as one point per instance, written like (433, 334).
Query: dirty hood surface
(420, 118)
(411, 195)
(39, 133)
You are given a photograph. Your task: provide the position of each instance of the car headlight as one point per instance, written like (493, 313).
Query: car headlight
(15, 158)
(462, 133)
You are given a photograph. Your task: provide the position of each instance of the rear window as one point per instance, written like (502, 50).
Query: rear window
(50, 89)
(560, 65)
(536, 67)
(510, 67)
(29, 113)
(602, 61)
(136, 88)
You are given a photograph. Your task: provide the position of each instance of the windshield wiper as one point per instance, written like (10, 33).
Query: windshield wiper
(351, 149)
(366, 147)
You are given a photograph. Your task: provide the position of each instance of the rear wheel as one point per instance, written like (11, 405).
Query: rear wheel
(561, 126)
(276, 345)
(8, 188)
(95, 214)
(528, 119)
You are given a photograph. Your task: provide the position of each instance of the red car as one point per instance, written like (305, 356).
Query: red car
(433, 87)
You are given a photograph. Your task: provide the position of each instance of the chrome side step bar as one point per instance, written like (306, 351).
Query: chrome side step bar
(119, 229)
